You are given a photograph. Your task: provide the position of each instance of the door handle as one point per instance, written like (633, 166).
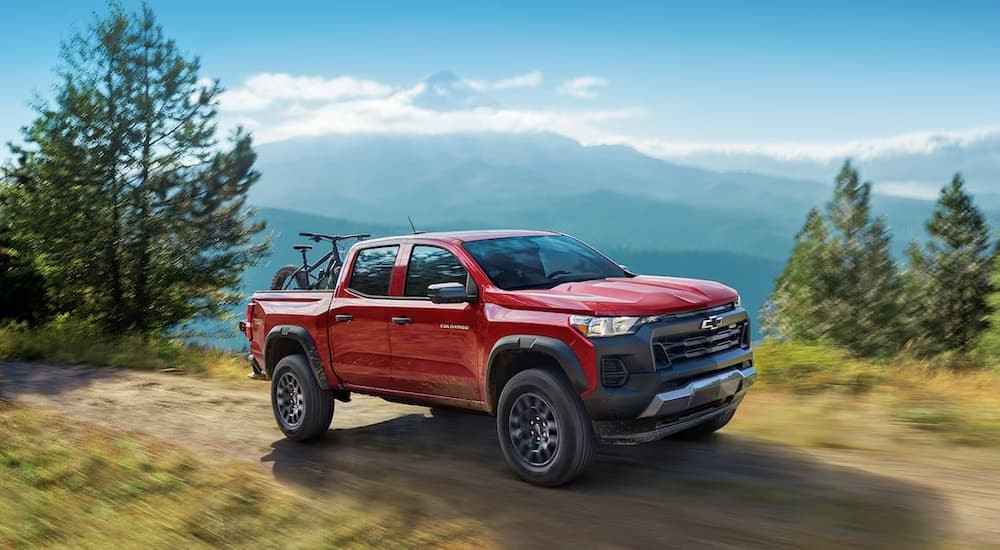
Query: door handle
(343, 317)
(402, 320)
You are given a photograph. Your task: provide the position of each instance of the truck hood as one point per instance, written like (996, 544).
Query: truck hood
(632, 296)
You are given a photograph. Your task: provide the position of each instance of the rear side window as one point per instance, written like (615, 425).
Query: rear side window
(431, 265)
(373, 270)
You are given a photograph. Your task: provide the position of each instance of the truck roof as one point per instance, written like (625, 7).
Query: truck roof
(462, 236)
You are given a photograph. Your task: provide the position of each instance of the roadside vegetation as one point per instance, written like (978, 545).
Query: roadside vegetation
(121, 207)
(65, 484)
(803, 383)
(818, 395)
(66, 342)
(842, 287)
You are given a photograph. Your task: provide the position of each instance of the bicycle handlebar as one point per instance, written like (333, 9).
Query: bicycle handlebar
(317, 237)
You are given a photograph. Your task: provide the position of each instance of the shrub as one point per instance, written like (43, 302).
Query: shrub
(814, 367)
(64, 340)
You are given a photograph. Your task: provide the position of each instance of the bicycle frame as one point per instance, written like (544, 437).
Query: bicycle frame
(303, 276)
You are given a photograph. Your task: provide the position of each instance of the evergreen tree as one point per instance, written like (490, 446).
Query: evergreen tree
(952, 273)
(989, 342)
(797, 308)
(136, 214)
(22, 289)
(840, 284)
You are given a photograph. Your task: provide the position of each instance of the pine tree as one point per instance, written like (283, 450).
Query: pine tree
(989, 343)
(953, 271)
(135, 212)
(22, 289)
(797, 308)
(840, 284)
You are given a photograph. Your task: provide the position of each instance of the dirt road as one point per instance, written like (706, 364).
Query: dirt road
(732, 492)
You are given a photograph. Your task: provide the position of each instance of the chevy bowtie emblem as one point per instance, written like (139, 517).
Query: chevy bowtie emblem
(711, 323)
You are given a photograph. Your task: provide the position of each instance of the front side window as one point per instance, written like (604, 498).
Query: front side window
(541, 261)
(373, 270)
(431, 265)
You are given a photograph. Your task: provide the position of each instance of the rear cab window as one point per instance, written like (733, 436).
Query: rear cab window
(430, 265)
(371, 274)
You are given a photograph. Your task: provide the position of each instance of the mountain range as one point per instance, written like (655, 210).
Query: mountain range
(651, 215)
(656, 216)
(609, 195)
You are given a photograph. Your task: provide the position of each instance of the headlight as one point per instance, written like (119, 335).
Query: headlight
(738, 302)
(595, 327)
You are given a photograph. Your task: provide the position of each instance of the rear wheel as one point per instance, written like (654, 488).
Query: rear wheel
(544, 431)
(303, 409)
(290, 277)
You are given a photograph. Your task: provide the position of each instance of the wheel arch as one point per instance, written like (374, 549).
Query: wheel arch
(285, 340)
(515, 353)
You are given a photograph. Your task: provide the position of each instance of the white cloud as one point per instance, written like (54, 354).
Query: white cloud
(909, 189)
(261, 91)
(913, 143)
(285, 106)
(584, 87)
(398, 114)
(527, 80)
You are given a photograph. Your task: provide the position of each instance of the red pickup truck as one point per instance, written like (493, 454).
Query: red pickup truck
(566, 348)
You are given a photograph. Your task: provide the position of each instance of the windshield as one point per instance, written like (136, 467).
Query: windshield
(541, 261)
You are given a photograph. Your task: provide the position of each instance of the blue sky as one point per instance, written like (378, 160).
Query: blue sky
(702, 73)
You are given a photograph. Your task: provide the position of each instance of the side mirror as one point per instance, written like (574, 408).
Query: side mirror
(448, 293)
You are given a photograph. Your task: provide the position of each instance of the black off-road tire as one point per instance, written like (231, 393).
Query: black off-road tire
(281, 278)
(575, 439)
(304, 413)
(706, 429)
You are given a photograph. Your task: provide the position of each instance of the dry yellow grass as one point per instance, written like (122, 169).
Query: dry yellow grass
(64, 484)
(66, 342)
(823, 396)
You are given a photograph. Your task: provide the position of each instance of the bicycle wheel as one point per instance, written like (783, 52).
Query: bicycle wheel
(290, 277)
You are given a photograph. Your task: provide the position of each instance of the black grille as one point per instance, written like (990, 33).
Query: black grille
(681, 347)
(613, 373)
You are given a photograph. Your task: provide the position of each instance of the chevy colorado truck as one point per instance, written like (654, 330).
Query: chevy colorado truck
(566, 348)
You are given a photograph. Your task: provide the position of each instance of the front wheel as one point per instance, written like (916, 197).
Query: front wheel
(544, 431)
(302, 408)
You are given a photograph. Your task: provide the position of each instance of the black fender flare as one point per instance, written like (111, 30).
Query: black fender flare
(305, 341)
(558, 350)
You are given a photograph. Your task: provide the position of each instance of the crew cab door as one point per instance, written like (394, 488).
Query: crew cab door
(359, 319)
(433, 345)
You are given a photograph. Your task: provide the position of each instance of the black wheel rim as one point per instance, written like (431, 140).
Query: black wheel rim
(534, 431)
(291, 406)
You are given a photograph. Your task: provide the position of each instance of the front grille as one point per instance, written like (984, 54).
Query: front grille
(613, 373)
(676, 348)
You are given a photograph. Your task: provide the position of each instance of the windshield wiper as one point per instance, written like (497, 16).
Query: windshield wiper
(532, 286)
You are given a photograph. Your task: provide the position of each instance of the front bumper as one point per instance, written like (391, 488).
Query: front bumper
(676, 410)
(657, 394)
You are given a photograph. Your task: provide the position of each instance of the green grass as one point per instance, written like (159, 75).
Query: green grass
(809, 368)
(62, 484)
(822, 396)
(66, 342)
